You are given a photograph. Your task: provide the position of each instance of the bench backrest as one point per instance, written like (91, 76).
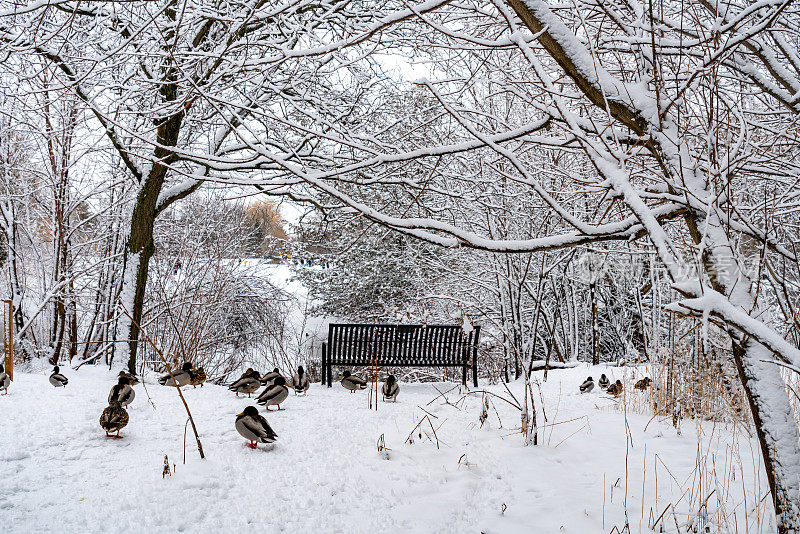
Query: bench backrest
(400, 345)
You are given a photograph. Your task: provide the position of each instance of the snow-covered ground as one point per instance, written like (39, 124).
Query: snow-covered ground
(59, 472)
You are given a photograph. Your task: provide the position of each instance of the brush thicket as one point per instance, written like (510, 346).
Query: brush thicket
(692, 378)
(695, 383)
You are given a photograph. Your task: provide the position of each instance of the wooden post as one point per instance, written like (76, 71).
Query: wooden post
(8, 339)
(375, 379)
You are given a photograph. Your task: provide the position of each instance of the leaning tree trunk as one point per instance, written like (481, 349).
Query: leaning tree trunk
(140, 246)
(137, 259)
(773, 417)
(764, 387)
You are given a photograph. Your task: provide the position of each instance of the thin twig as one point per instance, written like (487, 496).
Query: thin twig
(174, 382)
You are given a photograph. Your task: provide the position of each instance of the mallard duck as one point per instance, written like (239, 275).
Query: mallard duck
(57, 379)
(615, 388)
(300, 381)
(181, 378)
(587, 386)
(5, 380)
(353, 382)
(390, 389)
(247, 384)
(603, 382)
(114, 418)
(254, 428)
(198, 377)
(132, 380)
(275, 394)
(643, 384)
(270, 377)
(247, 373)
(122, 392)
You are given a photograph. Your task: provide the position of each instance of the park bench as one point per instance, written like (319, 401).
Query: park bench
(400, 345)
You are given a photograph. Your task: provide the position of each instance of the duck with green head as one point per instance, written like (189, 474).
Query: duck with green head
(269, 378)
(249, 383)
(353, 382)
(122, 392)
(57, 379)
(390, 389)
(132, 379)
(253, 427)
(300, 382)
(181, 378)
(275, 394)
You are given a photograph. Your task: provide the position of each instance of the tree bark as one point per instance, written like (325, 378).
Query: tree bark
(773, 418)
(140, 247)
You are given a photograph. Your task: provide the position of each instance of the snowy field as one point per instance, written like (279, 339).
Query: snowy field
(59, 472)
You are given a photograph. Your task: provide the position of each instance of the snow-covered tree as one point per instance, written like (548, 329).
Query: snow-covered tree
(178, 88)
(361, 272)
(671, 124)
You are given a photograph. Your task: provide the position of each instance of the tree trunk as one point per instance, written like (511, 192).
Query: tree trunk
(764, 387)
(773, 417)
(57, 335)
(72, 315)
(140, 247)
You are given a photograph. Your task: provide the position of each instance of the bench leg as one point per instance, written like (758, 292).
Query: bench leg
(464, 376)
(477, 338)
(323, 365)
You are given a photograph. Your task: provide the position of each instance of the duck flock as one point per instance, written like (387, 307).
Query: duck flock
(614, 389)
(250, 424)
